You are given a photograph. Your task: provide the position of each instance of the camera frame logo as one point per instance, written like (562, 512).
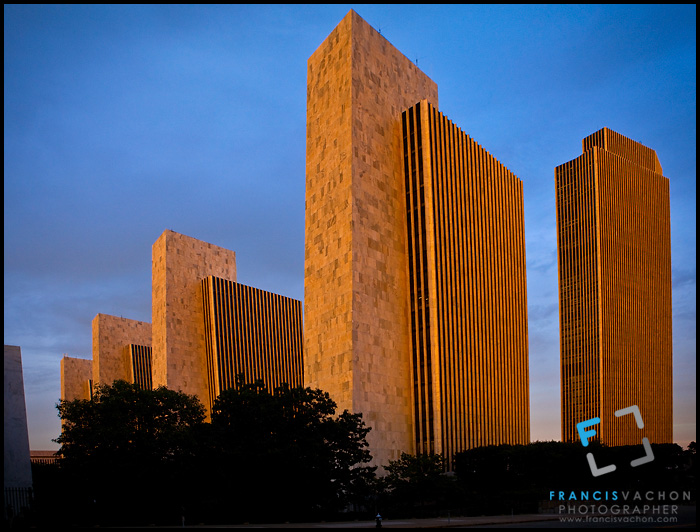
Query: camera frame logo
(585, 434)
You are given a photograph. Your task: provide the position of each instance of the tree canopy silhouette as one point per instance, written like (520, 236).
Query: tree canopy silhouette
(415, 485)
(127, 450)
(134, 455)
(294, 457)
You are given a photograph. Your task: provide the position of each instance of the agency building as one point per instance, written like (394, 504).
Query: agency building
(614, 256)
(76, 378)
(415, 295)
(206, 329)
(121, 349)
(250, 333)
(467, 288)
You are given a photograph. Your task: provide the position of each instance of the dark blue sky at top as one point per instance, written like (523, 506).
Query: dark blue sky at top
(124, 121)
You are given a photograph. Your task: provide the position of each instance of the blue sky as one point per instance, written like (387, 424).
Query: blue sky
(124, 121)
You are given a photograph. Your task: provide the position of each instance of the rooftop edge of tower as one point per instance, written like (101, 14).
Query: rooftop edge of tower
(614, 142)
(348, 23)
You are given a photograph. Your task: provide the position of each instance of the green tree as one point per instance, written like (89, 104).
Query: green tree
(129, 451)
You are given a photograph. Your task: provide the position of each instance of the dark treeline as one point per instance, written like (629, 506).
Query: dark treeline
(514, 479)
(133, 456)
(137, 457)
(520, 478)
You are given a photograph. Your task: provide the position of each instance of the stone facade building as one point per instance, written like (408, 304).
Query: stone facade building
(366, 336)
(182, 348)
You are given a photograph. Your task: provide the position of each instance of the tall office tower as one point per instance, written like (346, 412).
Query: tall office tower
(358, 289)
(468, 304)
(179, 265)
(614, 254)
(76, 378)
(355, 287)
(112, 354)
(252, 333)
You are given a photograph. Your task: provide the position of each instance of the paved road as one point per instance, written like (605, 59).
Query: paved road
(685, 519)
(407, 523)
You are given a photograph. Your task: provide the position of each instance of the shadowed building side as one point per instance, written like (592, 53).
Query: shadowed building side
(17, 465)
(614, 254)
(17, 469)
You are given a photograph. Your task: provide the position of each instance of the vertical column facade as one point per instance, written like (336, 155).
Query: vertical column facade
(355, 317)
(139, 360)
(252, 333)
(579, 292)
(179, 265)
(468, 289)
(615, 290)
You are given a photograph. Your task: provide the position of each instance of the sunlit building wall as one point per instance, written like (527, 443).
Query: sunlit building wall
(364, 341)
(250, 333)
(76, 378)
(179, 350)
(111, 355)
(133, 361)
(206, 330)
(614, 255)
(468, 304)
(355, 288)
